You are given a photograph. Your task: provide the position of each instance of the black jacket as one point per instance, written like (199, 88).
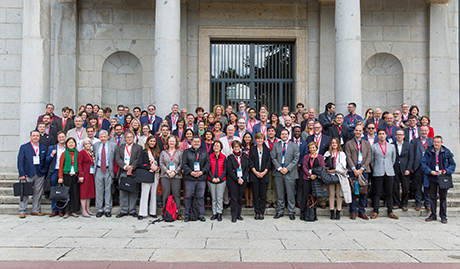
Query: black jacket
(344, 134)
(405, 161)
(323, 118)
(254, 163)
(189, 157)
(232, 166)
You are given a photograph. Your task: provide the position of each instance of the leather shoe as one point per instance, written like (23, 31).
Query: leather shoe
(322, 206)
(428, 208)
(431, 218)
(186, 219)
(256, 217)
(22, 216)
(353, 216)
(219, 217)
(363, 216)
(99, 214)
(395, 207)
(291, 216)
(240, 218)
(374, 215)
(61, 214)
(108, 214)
(134, 215)
(202, 219)
(226, 206)
(233, 220)
(213, 217)
(140, 217)
(278, 215)
(444, 221)
(418, 207)
(261, 217)
(121, 215)
(37, 214)
(53, 214)
(392, 216)
(404, 208)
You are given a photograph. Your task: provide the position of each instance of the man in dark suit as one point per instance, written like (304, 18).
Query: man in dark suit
(285, 157)
(127, 156)
(370, 135)
(327, 118)
(412, 132)
(190, 123)
(420, 145)
(262, 126)
(49, 127)
(287, 126)
(390, 128)
(339, 130)
(45, 139)
(32, 168)
(321, 139)
(403, 166)
(173, 117)
(163, 136)
(303, 150)
(65, 123)
(52, 160)
(152, 120)
(49, 110)
(118, 138)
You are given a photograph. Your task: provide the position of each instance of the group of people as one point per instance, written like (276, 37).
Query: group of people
(271, 160)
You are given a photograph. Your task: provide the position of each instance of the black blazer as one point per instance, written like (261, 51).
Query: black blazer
(345, 134)
(419, 150)
(144, 162)
(325, 122)
(68, 125)
(232, 165)
(323, 146)
(408, 134)
(405, 161)
(254, 163)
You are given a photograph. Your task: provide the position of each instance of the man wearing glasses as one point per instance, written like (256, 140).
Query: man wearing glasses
(371, 137)
(152, 120)
(121, 114)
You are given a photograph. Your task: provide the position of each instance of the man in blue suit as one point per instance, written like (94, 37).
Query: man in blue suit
(152, 120)
(52, 161)
(32, 168)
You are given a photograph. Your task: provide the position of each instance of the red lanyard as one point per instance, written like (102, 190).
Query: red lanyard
(180, 134)
(251, 125)
(437, 158)
(197, 156)
(174, 119)
(243, 115)
(270, 144)
(229, 143)
(79, 136)
(339, 128)
(238, 159)
(52, 119)
(425, 145)
(64, 122)
(312, 160)
(358, 146)
(217, 134)
(47, 130)
(241, 134)
(285, 147)
(297, 142)
(171, 156)
(376, 123)
(162, 141)
(383, 151)
(100, 122)
(262, 129)
(335, 156)
(318, 140)
(128, 151)
(207, 148)
(413, 133)
(389, 131)
(35, 149)
(190, 126)
(352, 120)
(150, 119)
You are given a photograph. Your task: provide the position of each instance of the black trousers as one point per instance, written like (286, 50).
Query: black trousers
(259, 192)
(379, 184)
(74, 193)
(306, 190)
(434, 189)
(299, 187)
(404, 181)
(236, 192)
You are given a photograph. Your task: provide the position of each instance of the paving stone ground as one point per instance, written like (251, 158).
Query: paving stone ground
(407, 240)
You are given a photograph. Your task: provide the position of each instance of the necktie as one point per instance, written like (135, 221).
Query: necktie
(284, 149)
(151, 119)
(118, 141)
(413, 133)
(103, 159)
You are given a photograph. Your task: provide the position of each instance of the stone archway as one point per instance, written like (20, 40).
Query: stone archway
(383, 82)
(122, 80)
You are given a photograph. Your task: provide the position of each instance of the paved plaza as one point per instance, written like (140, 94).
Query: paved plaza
(407, 240)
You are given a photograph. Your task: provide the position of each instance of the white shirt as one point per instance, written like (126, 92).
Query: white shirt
(227, 150)
(59, 152)
(371, 140)
(399, 147)
(410, 133)
(127, 155)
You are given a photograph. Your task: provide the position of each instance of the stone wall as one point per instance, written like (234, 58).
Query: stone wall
(10, 81)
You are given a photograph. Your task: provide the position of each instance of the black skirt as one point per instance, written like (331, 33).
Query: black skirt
(74, 193)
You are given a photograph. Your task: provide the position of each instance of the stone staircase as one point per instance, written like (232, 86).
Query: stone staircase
(9, 203)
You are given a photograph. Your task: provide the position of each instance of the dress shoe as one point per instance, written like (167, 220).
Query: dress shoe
(202, 219)
(22, 216)
(428, 208)
(219, 217)
(256, 217)
(337, 215)
(186, 219)
(53, 214)
(134, 215)
(322, 206)
(121, 215)
(404, 208)
(278, 215)
(332, 214)
(155, 216)
(179, 217)
(99, 214)
(140, 217)
(226, 206)
(418, 207)
(431, 218)
(261, 217)
(37, 214)
(395, 207)
(444, 220)
(291, 216)
(374, 215)
(392, 216)
(363, 216)
(240, 218)
(233, 220)
(213, 217)
(353, 216)
(61, 214)
(108, 214)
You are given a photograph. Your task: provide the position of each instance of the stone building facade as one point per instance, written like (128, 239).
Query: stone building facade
(377, 53)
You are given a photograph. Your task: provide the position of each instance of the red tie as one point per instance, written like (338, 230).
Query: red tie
(103, 160)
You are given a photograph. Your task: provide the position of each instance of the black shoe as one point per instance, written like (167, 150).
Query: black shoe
(154, 216)
(140, 217)
(337, 215)
(261, 217)
(202, 219)
(226, 206)
(134, 215)
(256, 217)
(233, 220)
(278, 215)
(240, 218)
(99, 214)
(444, 220)
(213, 217)
(431, 218)
(121, 215)
(332, 214)
(291, 216)
(186, 219)
(108, 214)
(219, 217)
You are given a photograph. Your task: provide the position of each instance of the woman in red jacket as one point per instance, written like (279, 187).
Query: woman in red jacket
(86, 178)
(216, 179)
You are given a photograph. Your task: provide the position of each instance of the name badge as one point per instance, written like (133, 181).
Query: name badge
(196, 166)
(91, 169)
(309, 171)
(282, 160)
(390, 140)
(360, 158)
(239, 173)
(172, 167)
(437, 168)
(127, 159)
(72, 171)
(341, 140)
(36, 160)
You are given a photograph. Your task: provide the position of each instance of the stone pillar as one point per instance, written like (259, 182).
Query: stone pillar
(35, 73)
(347, 77)
(443, 93)
(65, 55)
(326, 54)
(167, 55)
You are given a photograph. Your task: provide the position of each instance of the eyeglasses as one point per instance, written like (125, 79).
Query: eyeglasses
(371, 128)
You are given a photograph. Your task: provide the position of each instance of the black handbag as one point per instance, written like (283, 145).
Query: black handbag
(23, 188)
(445, 181)
(309, 214)
(318, 188)
(144, 176)
(128, 184)
(60, 194)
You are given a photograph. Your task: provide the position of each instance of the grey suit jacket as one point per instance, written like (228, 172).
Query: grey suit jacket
(120, 157)
(111, 157)
(408, 134)
(419, 150)
(290, 161)
(383, 164)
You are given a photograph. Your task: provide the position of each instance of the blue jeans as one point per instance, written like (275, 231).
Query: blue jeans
(362, 197)
(54, 182)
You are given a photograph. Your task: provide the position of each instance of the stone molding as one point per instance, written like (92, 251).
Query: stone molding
(437, 2)
(327, 2)
(67, 1)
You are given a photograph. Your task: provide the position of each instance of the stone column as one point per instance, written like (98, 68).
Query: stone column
(326, 53)
(35, 73)
(65, 55)
(347, 78)
(167, 56)
(443, 93)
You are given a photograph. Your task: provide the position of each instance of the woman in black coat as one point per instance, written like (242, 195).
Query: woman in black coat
(259, 165)
(237, 179)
